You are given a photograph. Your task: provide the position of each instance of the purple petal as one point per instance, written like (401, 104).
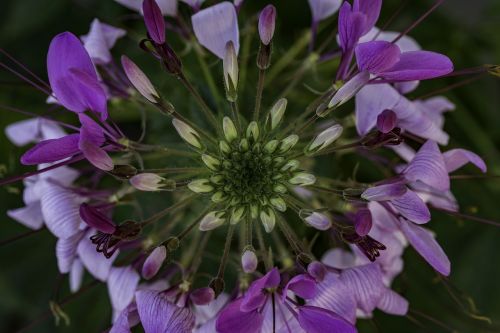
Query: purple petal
(52, 150)
(66, 252)
(338, 258)
(96, 263)
(121, 324)
(100, 39)
(456, 158)
(231, 319)
(254, 297)
(76, 275)
(382, 218)
(122, 283)
(384, 192)
(363, 222)
(317, 320)
(158, 315)
(215, 26)
(153, 262)
(317, 270)
(96, 155)
(266, 24)
(60, 209)
(33, 130)
(377, 56)
(302, 285)
(167, 7)
(154, 21)
(386, 121)
(411, 206)
(424, 243)
(351, 26)
(428, 166)
(29, 216)
(365, 284)
(66, 57)
(371, 101)
(418, 65)
(393, 303)
(371, 8)
(96, 219)
(202, 296)
(322, 9)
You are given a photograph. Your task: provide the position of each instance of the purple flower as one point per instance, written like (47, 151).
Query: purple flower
(100, 39)
(267, 20)
(215, 26)
(153, 262)
(154, 21)
(73, 78)
(322, 9)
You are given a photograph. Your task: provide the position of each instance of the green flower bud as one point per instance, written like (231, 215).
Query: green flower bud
(237, 215)
(278, 203)
(277, 112)
(291, 165)
(325, 138)
(200, 186)
(187, 133)
(303, 179)
(211, 162)
(268, 219)
(288, 143)
(253, 131)
(218, 197)
(230, 65)
(224, 147)
(212, 220)
(271, 146)
(229, 129)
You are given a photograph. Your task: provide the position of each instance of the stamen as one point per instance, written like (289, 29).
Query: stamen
(22, 77)
(467, 217)
(20, 64)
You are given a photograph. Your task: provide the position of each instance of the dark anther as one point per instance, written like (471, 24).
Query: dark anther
(107, 244)
(369, 246)
(378, 139)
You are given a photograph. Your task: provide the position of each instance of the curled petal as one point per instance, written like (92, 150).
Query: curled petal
(302, 285)
(122, 283)
(456, 158)
(428, 166)
(384, 192)
(351, 27)
(52, 150)
(371, 9)
(96, 219)
(418, 65)
(254, 297)
(66, 252)
(393, 303)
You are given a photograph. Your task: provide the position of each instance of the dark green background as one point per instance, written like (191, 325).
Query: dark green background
(467, 31)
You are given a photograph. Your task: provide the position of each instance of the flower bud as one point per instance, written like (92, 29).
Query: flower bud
(253, 130)
(230, 65)
(288, 143)
(302, 179)
(346, 92)
(153, 19)
(187, 133)
(386, 121)
(139, 80)
(267, 20)
(211, 162)
(153, 262)
(291, 165)
(218, 196)
(277, 112)
(123, 171)
(315, 219)
(317, 270)
(237, 215)
(151, 182)
(268, 219)
(96, 219)
(280, 189)
(229, 129)
(325, 138)
(202, 296)
(212, 220)
(271, 146)
(200, 186)
(363, 222)
(278, 203)
(249, 261)
(224, 147)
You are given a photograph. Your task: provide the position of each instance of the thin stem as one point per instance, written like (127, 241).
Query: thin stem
(167, 211)
(452, 86)
(258, 95)
(20, 236)
(468, 217)
(197, 220)
(227, 248)
(262, 246)
(174, 170)
(236, 115)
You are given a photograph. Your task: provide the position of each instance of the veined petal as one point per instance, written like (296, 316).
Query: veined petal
(351, 27)
(371, 8)
(338, 258)
(96, 155)
(231, 319)
(365, 284)
(411, 206)
(393, 303)
(215, 26)
(29, 216)
(96, 263)
(456, 158)
(428, 166)
(66, 252)
(76, 275)
(158, 315)
(317, 320)
(384, 192)
(302, 285)
(254, 297)
(52, 150)
(418, 65)
(122, 283)
(322, 9)
(424, 243)
(377, 56)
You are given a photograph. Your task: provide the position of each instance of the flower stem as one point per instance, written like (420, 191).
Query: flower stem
(258, 96)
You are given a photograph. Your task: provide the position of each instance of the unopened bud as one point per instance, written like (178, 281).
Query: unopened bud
(139, 80)
(230, 65)
(253, 131)
(268, 219)
(317, 270)
(202, 296)
(271, 146)
(187, 133)
(363, 222)
(153, 19)
(123, 171)
(315, 219)
(291, 165)
(288, 143)
(325, 138)
(346, 92)
(267, 20)
(386, 121)
(277, 112)
(249, 261)
(302, 179)
(237, 215)
(212, 220)
(211, 162)
(278, 203)
(153, 262)
(224, 147)
(151, 182)
(200, 186)
(229, 129)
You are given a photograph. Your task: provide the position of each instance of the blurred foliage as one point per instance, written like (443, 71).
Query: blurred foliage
(466, 31)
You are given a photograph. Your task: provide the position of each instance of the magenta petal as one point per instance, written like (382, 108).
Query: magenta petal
(231, 319)
(158, 315)
(386, 121)
(377, 56)
(254, 297)
(154, 21)
(456, 158)
(424, 243)
(411, 206)
(418, 65)
(428, 166)
(65, 57)
(153, 262)
(96, 219)
(302, 285)
(317, 320)
(96, 155)
(215, 26)
(52, 150)
(122, 283)
(202, 296)
(371, 8)
(384, 192)
(351, 27)
(363, 222)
